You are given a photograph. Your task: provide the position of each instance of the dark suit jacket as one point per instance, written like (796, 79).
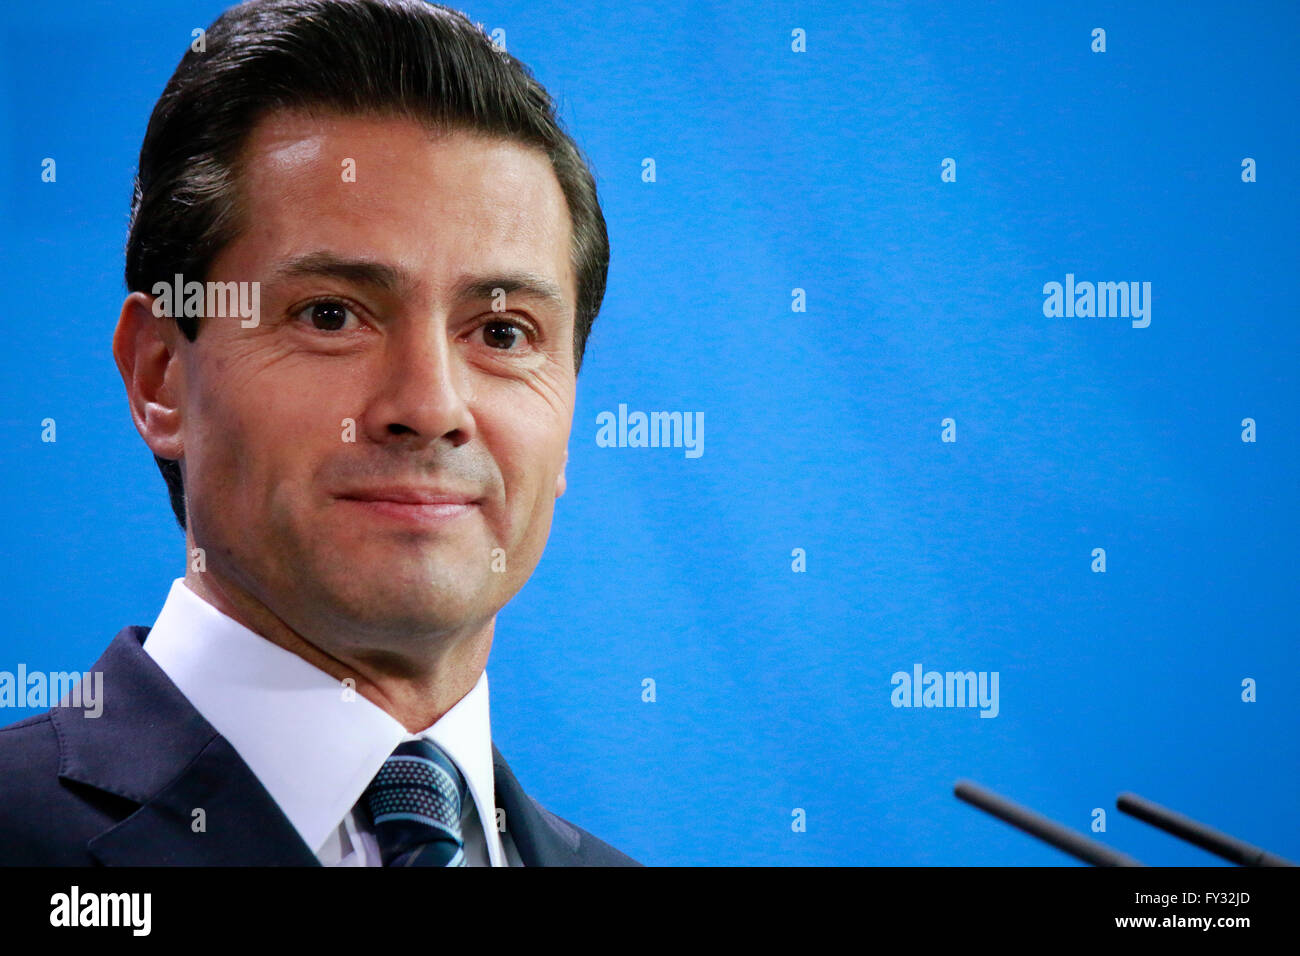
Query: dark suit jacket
(120, 789)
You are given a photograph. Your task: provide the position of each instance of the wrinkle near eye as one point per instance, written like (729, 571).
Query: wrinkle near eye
(523, 360)
(552, 385)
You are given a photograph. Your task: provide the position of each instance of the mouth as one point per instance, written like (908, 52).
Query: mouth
(421, 507)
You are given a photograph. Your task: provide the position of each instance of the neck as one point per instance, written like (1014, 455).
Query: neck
(414, 693)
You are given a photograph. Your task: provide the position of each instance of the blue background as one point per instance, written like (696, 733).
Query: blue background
(820, 170)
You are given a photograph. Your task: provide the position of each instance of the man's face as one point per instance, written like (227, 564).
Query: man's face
(377, 293)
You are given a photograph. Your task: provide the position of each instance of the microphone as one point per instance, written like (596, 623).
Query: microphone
(1207, 838)
(1037, 825)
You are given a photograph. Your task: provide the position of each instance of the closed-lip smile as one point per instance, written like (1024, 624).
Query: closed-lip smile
(410, 495)
(412, 506)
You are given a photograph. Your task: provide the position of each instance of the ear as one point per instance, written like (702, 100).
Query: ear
(560, 484)
(145, 349)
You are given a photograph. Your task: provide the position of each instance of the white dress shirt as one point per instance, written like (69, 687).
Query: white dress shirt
(315, 745)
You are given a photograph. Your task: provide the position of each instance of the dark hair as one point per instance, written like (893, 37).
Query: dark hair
(396, 57)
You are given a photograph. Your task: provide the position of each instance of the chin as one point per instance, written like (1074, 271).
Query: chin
(409, 602)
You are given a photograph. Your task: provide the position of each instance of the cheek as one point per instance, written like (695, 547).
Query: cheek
(256, 438)
(529, 459)
(223, 473)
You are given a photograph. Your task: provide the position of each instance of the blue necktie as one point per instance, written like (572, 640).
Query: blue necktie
(414, 803)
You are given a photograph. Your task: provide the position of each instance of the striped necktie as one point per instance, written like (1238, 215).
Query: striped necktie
(414, 803)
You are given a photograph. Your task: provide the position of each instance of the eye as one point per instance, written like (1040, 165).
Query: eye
(503, 335)
(329, 315)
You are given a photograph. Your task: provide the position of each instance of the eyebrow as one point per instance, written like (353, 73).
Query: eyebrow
(394, 280)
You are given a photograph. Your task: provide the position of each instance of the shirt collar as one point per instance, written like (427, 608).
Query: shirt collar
(314, 744)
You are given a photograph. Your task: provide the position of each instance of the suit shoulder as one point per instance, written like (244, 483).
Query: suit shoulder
(29, 767)
(32, 737)
(592, 850)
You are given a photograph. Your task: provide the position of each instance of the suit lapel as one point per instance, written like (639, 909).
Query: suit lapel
(151, 746)
(541, 838)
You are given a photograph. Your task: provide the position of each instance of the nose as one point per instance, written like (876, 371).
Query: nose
(424, 392)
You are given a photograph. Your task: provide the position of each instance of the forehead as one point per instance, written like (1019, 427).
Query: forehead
(438, 204)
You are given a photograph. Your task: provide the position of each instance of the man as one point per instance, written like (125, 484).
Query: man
(363, 263)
